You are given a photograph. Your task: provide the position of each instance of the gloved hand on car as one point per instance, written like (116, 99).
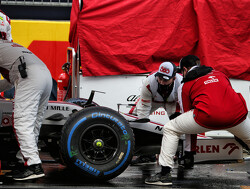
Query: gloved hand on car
(174, 115)
(142, 120)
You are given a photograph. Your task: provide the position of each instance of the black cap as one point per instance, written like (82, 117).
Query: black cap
(189, 61)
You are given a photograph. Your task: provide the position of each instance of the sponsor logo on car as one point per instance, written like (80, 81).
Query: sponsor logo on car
(58, 108)
(232, 147)
(132, 98)
(217, 148)
(158, 128)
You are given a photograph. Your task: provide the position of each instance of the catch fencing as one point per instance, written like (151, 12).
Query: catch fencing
(55, 3)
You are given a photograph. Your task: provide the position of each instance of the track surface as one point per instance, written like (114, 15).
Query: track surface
(207, 175)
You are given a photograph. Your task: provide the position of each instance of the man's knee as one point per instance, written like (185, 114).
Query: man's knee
(167, 129)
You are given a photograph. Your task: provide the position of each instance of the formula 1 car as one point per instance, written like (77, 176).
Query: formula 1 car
(95, 141)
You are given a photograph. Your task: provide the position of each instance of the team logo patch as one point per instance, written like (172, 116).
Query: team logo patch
(211, 79)
(165, 70)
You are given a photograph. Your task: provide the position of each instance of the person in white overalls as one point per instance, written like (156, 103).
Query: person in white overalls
(160, 90)
(33, 83)
(5, 27)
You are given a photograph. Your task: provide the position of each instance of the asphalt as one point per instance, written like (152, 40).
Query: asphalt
(204, 175)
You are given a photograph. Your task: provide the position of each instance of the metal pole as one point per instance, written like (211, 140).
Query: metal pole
(71, 57)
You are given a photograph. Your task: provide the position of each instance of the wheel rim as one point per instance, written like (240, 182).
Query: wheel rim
(99, 144)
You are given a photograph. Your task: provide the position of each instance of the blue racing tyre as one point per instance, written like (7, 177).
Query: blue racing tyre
(98, 142)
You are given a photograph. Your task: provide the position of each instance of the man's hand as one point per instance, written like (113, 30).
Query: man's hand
(142, 120)
(174, 115)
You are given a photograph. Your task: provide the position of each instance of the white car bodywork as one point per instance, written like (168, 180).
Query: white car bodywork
(125, 90)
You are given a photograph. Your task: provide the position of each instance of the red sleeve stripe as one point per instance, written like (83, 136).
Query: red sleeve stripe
(145, 100)
(148, 87)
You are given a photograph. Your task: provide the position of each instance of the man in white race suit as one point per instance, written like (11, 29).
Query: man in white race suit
(5, 27)
(33, 83)
(160, 90)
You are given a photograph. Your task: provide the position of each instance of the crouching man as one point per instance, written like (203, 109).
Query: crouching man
(210, 103)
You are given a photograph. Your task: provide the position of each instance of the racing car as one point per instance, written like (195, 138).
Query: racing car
(97, 142)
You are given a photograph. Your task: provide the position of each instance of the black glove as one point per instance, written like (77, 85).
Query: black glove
(142, 120)
(174, 115)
